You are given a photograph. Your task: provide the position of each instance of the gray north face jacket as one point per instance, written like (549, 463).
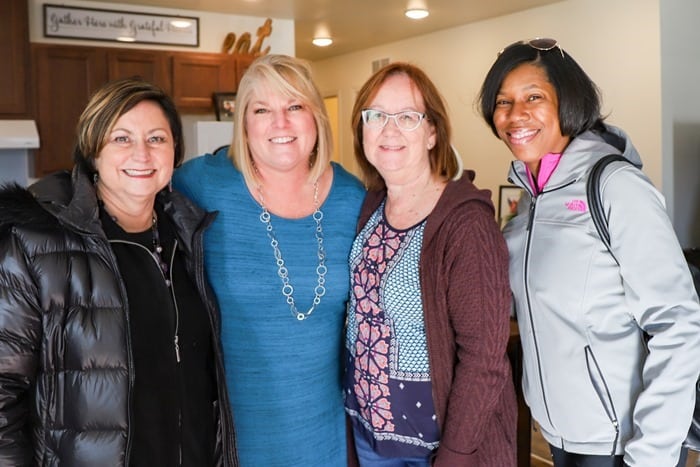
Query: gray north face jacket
(611, 352)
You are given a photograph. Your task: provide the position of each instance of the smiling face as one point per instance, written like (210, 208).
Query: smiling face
(526, 116)
(137, 159)
(281, 131)
(398, 155)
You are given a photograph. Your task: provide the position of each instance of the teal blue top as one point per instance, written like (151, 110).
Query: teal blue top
(283, 375)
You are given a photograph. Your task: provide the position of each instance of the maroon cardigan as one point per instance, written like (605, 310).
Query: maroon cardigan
(466, 303)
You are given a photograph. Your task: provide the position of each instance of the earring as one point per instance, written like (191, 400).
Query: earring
(170, 186)
(95, 178)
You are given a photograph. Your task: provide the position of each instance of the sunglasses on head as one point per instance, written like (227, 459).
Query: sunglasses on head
(543, 44)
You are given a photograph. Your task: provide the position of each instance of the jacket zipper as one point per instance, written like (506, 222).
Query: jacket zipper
(603, 393)
(530, 222)
(531, 216)
(168, 280)
(169, 283)
(176, 337)
(530, 219)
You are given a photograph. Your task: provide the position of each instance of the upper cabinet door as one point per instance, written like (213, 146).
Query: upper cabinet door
(65, 79)
(197, 75)
(14, 50)
(150, 65)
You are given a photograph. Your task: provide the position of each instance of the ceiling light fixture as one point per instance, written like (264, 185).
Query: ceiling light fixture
(417, 13)
(322, 41)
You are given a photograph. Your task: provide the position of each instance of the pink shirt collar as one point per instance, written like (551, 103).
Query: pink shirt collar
(548, 164)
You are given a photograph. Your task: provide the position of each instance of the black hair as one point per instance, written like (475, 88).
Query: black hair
(578, 96)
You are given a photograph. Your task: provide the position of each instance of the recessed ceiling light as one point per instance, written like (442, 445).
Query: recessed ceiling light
(322, 41)
(181, 23)
(416, 13)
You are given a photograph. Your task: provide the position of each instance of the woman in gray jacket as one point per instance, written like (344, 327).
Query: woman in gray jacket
(610, 338)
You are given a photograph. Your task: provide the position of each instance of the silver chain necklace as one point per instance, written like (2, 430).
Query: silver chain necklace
(283, 273)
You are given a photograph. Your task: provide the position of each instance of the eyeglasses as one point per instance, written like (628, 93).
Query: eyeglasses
(407, 121)
(543, 44)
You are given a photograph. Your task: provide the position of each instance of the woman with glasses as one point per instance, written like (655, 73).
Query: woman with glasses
(610, 338)
(427, 378)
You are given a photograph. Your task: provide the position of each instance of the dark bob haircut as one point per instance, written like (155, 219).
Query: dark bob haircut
(579, 97)
(108, 104)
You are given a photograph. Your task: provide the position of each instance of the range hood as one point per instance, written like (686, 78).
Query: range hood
(18, 134)
(17, 138)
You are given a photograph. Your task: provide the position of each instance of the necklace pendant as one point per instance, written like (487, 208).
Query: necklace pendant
(301, 316)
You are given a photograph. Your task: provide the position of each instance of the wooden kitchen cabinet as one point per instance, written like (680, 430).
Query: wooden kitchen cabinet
(150, 65)
(14, 50)
(65, 76)
(196, 76)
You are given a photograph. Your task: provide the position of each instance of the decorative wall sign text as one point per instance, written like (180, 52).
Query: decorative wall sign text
(120, 26)
(242, 45)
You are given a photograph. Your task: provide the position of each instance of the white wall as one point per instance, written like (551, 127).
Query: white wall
(680, 76)
(615, 41)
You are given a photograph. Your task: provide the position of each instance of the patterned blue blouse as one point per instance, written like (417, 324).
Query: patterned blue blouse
(387, 380)
(283, 375)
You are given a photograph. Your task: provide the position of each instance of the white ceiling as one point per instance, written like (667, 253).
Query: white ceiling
(353, 24)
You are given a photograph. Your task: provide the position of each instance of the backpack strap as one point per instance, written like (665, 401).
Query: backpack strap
(595, 202)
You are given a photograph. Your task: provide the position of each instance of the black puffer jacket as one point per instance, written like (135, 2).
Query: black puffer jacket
(65, 359)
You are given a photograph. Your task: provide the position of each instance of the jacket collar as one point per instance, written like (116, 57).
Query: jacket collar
(579, 156)
(71, 197)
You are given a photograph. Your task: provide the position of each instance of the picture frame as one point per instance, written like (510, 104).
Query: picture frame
(508, 199)
(224, 105)
(72, 22)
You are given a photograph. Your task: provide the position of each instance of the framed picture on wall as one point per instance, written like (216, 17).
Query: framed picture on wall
(508, 199)
(224, 105)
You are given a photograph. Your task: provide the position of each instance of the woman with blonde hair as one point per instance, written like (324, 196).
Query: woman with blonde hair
(277, 258)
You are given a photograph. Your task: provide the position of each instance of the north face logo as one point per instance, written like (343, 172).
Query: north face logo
(576, 205)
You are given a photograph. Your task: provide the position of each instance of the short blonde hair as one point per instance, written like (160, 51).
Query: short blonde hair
(291, 77)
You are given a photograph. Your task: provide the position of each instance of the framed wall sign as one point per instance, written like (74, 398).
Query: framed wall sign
(70, 22)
